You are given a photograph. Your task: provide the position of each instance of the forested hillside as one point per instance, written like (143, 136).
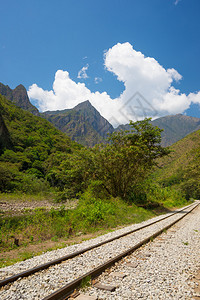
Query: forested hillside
(28, 146)
(181, 169)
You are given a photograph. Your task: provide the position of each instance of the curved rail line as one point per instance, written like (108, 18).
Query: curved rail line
(64, 292)
(69, 256)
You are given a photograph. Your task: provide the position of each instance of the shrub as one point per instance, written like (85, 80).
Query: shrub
(92, 211)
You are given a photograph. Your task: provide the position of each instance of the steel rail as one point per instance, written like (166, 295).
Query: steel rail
(71, 255)
(67, 290)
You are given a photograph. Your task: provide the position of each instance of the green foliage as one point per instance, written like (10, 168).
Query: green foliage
(91, 215)
(86, 282)
(35, 141)
(129, 157)
(40, 224)
(181, 170)
(29, 183)
(8, 174)
(173, 179)
(151, 195)
(168, 197)
(43, 156)
(71, 174)
(93, 211)
(113, 169)
(191, 179)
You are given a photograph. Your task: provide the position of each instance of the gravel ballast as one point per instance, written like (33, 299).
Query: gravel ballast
(45, 282)
(162, 269)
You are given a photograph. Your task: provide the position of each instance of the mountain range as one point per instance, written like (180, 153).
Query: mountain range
(85, 125)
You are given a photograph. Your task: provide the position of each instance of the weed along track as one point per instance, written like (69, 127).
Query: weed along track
(58, 278)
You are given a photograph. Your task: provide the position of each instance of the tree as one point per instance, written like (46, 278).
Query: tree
(127, 159)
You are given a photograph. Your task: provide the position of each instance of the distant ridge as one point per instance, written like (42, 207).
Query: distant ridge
(83, 123)
(175, 127)
(19, 97)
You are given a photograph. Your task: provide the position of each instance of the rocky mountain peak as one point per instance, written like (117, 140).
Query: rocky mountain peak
(18, 96)
(84, 105)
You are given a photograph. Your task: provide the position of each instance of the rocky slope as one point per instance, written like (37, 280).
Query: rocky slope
(83, 123)
(19, 97)
(176, 127)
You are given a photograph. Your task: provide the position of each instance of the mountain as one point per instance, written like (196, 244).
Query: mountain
(19, 97)
(174, 127)
(83, 123)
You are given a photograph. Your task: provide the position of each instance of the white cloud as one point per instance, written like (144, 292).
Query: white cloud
(148, 89)
(176, 2)
(82, 73)
(98, 79)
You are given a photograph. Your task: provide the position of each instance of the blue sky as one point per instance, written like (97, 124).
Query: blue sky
(38, 38)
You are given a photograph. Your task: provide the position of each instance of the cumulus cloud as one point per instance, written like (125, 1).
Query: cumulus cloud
(82, 73)
(149, 90)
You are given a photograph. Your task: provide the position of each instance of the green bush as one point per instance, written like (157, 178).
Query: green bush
(191, 188)
(92, 211)
(8, 176)
(151, 195)
(30, 184)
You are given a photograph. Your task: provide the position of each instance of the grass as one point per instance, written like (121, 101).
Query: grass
(19, 197)
(86, 282)
(57, 228)
(41, 224)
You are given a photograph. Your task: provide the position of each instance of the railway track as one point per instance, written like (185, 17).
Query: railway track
(74, 265)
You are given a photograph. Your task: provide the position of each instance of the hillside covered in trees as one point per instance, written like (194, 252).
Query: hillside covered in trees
(181, 169)
(29, 144)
